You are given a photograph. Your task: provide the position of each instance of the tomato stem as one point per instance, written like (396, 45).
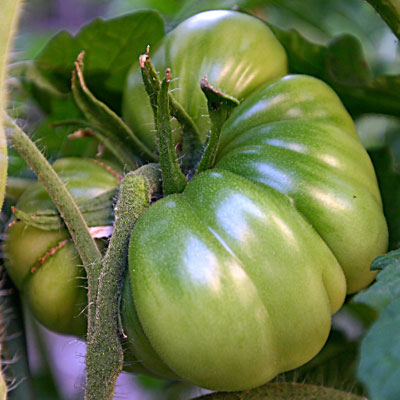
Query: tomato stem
(220, 107)
(173, 179)
(68, 209)
(104, 357)
(191, 142)
(59, 194)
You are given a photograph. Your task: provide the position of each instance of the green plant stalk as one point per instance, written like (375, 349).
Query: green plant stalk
(9, 16)
(220, 107)
(389, 10)
(173, 179)
(69, 211)
(191, 144)
(104, 359)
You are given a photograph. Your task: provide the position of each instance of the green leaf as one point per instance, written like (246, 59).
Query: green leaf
(283, 391)
(385, 289)
(341, 63)
(379, 367)
(389, 184)
(109, 127)
(111, 47)
(381, 262)
(96, 212)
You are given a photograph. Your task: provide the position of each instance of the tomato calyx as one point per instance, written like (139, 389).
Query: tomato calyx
(190, 147)
(220, 107)
(174, 181)
(195, 157)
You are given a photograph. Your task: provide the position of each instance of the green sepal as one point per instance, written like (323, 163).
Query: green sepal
(96, 212)
(191, 144)
(220, 106)
(173, 179)
(109, 128)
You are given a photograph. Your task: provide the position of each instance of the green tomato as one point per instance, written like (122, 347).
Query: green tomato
(238, 53)
(235, 280)
(53, 286)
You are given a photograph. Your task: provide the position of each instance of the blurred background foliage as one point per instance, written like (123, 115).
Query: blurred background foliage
(317, 20)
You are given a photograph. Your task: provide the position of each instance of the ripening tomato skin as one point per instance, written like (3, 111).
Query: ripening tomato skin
(54, 289)
(237, 305)
(235, 280)
(238, 53)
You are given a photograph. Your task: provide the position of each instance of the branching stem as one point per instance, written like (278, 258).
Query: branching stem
(104, 357)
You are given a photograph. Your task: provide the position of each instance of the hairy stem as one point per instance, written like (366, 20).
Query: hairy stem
(173, 179)
(191, 142)
(104, 358)
(69, 211)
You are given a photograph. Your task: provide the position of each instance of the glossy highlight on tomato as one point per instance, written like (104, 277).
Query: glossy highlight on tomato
(235, 280)
(238, 53)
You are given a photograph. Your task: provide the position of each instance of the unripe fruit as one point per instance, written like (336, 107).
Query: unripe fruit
(44, 264)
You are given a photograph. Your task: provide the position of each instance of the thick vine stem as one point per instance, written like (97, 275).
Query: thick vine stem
(389, 10)
(191, 142)
(104, 357)
(69, 211)
(220, 107)
(173, 179)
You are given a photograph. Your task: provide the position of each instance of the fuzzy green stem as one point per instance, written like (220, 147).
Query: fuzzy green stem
(69, 211)
(173, 179)
(191, 142)
(389, 10)
(220, 107)
(10, 10)
(104, 358)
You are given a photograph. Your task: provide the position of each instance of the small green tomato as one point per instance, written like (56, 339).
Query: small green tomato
(44, 264)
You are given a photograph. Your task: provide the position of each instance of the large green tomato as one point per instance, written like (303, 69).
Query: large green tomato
(238, 53)
(235, 280)
(44, 264)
